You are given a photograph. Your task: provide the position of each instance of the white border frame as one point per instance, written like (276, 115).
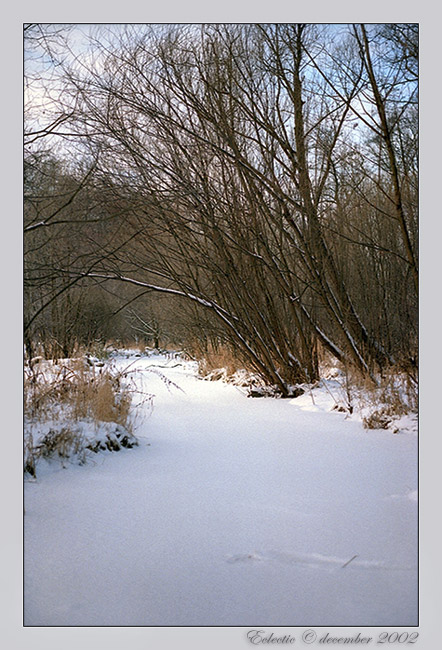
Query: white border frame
(12, 633)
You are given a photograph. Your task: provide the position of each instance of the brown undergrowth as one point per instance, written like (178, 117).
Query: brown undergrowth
(72, 407)
(219, 358)
(393, 394)
(379, 403)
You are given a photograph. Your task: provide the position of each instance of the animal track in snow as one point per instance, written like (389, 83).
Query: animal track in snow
(314, 561)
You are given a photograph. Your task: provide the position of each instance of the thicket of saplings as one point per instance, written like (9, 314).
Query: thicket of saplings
(245, 193)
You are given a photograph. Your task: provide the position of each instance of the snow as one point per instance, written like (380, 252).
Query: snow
(232, 511)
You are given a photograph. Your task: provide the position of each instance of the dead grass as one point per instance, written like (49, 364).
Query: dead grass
(109, 404)
(76, 390)
(217, 358)
(394, 395)
(378, 419)
(59, 396)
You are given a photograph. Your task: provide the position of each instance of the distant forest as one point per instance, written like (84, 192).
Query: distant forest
(252, 187)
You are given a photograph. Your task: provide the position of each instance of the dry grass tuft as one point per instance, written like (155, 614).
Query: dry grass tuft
(61, 398)
(218, 359)
(395, 393)
(78, 391)
(109, 404)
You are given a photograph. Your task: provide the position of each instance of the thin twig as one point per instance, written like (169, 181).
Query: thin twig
(347, 563)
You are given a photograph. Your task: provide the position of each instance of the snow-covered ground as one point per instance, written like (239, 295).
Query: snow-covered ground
(232, 511)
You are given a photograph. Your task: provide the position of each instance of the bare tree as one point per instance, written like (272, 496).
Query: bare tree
(230, 153)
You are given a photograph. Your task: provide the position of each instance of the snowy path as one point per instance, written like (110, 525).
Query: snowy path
(239, 512)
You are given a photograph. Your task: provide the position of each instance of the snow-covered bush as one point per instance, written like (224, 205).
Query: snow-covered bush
(74, 407)
(379, 405)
